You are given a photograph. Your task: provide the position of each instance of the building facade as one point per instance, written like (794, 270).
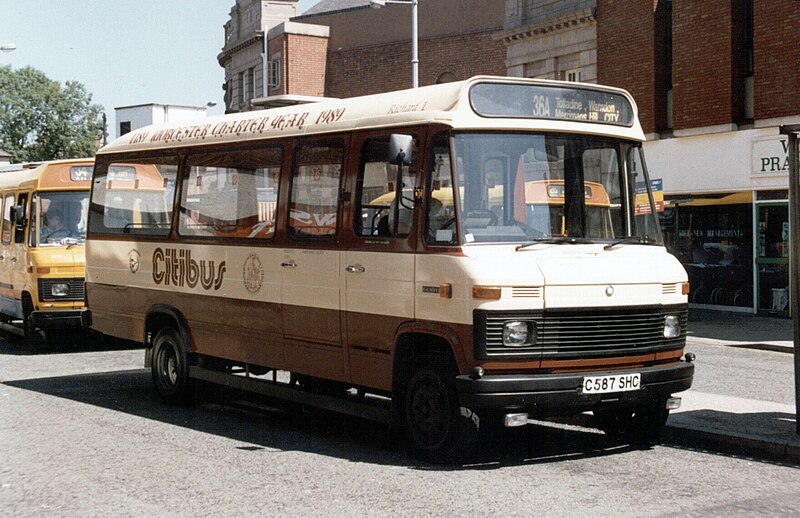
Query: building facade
(320, 54)
(293, 64)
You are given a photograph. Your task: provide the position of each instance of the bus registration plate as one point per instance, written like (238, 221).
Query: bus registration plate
(616, 383)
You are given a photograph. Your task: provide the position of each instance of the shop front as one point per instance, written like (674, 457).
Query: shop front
(726, 217)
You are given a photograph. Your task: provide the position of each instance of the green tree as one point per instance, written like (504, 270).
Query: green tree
(42, 120)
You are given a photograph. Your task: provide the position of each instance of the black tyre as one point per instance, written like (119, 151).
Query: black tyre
(639, 424)
(31, 333)
(436, 427)
(170, 367)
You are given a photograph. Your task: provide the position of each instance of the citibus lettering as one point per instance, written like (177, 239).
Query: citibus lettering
(176, 267)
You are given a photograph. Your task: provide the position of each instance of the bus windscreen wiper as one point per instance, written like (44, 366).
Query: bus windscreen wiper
(638, 240)
(554, 240)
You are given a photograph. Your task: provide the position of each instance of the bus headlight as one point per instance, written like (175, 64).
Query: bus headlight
(518, 333)
(672, 326)
(59, 289)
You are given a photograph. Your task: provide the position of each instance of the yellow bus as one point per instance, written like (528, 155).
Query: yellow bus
(439, 259)
(42, 245)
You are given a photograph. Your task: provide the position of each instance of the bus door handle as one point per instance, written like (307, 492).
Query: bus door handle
(289, 264)
(354, 269)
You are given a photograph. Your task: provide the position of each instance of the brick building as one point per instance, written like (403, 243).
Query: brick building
(455, 42)
(293, 68)
(319, 54)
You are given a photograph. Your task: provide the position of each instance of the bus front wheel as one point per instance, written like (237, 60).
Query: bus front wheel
(170, 367)
(436, 427)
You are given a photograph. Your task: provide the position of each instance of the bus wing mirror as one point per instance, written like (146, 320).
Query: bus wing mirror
(401, 149)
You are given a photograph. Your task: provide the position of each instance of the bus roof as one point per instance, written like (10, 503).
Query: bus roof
(450, 104)
(59, 175)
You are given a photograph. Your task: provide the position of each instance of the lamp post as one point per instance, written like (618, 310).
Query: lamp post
(8, 47)
(792, 132)
(377, 4)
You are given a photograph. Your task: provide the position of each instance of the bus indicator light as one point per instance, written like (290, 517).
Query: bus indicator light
(486, 292)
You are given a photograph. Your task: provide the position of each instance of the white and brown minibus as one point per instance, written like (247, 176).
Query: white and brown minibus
(439, 258)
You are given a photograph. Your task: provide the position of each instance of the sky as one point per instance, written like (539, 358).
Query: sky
(124, 52)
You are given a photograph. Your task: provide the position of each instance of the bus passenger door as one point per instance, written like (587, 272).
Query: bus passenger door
(379, 266)
(310, 269)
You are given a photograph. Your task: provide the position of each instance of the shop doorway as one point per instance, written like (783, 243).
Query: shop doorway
(772, 259)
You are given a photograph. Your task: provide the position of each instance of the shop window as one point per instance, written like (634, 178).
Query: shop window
(713, 239)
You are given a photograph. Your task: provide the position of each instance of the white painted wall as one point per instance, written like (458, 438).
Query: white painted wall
(719, 162)
(147, 114)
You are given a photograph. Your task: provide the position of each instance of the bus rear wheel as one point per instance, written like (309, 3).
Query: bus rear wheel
(170, 367)
(436, 427)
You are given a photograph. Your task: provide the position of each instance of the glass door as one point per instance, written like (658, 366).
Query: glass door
(772, 259)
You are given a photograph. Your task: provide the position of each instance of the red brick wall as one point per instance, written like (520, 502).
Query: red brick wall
(776, 74)
(305, 63)
(382, 68)
(626, 56)
(703, 91)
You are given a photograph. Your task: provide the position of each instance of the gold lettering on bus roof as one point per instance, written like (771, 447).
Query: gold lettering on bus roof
(242, 127)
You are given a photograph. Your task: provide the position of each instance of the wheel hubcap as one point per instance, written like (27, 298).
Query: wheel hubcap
(430, 411)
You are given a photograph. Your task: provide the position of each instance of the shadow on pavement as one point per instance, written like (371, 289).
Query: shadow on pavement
(267, 425)
(61, 343)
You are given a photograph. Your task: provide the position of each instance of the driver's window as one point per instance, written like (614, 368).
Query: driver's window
(441, 215)
(377, 189)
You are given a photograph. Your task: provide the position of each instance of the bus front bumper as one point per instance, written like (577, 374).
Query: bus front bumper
(61, 319)
(562, 394)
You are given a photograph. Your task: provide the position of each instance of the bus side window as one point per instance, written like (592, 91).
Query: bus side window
(7, 223)
(314, 198)
(231, 194)
(133, 198)
(376, 192)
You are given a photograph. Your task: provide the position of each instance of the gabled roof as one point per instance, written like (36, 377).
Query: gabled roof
(333, 6)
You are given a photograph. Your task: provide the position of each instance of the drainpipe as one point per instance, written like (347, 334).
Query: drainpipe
(265, 63)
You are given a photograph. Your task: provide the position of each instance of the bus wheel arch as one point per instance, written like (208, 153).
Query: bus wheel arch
(160, 316)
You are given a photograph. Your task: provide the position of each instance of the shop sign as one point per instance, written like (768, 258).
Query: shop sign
(771, 156)
(642, 204)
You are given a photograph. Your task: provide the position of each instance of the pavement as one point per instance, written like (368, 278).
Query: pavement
(732, 425)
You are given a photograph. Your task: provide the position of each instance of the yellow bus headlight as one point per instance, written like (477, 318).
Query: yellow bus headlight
(59, 289)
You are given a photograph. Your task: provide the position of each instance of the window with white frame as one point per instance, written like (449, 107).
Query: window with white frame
(274, 71)
(573, 75)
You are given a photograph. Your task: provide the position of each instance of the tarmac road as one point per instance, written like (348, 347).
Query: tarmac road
(82, 433)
